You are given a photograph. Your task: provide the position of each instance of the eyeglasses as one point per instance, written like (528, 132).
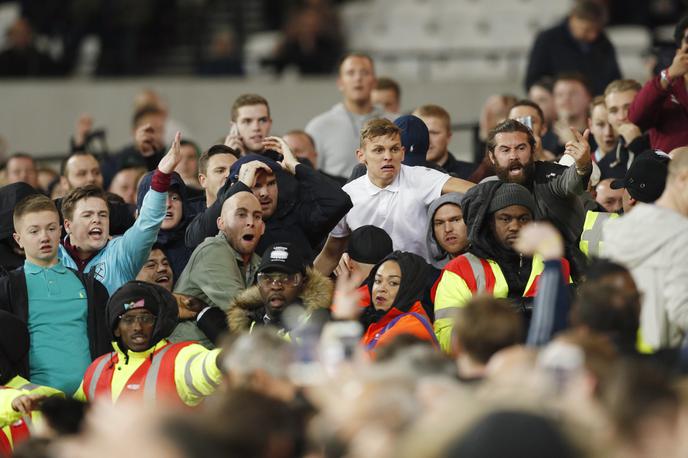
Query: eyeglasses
(145, 318)
(278, 279)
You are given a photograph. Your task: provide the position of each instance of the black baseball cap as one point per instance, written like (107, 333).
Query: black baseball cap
(646, 177)
(369, 244)
(284, 257)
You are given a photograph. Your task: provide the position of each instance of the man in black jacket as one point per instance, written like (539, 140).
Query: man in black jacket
(555, 188)
(299, 205)
(577, 44)
(63, 309)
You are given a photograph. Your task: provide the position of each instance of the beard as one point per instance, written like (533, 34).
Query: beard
(524, 179)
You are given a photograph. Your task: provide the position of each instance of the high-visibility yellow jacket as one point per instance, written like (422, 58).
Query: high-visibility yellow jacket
(591, 237)
(14, 428)
(182, 373)
(468, 275)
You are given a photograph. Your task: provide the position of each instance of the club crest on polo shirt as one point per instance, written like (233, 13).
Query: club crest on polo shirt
(279, 254)
(100, 271)
(134, 305)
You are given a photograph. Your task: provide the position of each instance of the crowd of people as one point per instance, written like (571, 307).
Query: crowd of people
(352, 289)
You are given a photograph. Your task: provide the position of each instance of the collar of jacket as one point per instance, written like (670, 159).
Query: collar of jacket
(316, 295)
(125, 357)
(74, 253)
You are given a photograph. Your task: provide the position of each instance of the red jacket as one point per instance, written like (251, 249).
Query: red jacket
(663, 113)
(395, 323)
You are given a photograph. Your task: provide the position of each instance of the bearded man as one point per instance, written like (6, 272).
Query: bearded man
(555, 188)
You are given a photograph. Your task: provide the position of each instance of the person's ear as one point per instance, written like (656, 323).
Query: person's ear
(17, 238)
(360, 155)
(67, 226)
(64, 184)
(221, 223)
(117, 333)
(491, 157)
(201, 180)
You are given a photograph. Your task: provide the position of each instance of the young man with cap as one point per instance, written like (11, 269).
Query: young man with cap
(283, 279)
(652, 241)
(299, 204)
(391, 195)
(144, 365)
(495, 212)
(223, 266)
(63, 308)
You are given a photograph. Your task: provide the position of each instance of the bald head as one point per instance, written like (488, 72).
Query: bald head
(241, 221)
(610, 199)
(681, 150)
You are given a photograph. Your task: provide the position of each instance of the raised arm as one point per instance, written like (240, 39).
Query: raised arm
(552, 301)
(134, 245)
(328, 258)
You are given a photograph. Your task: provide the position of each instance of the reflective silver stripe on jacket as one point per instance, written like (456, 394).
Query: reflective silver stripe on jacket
(90, 391)
(150, 385)
(478, 272)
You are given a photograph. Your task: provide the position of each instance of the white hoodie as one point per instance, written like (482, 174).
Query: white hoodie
(652, 242)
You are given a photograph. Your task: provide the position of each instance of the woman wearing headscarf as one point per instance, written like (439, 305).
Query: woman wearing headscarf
(396, 284)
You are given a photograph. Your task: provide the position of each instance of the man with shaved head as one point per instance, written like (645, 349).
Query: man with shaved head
(223, 266)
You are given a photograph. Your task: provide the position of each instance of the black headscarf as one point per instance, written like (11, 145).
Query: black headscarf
(414, 277)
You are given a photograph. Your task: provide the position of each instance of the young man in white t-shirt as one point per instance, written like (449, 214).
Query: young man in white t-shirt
(391, 196)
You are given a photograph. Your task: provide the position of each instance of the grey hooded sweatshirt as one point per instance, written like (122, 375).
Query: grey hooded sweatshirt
(652, 242)
(438, 256)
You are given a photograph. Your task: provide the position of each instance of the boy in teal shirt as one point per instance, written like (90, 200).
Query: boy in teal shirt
(63, 309)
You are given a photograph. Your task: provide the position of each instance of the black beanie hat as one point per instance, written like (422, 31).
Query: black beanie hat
(511, 194)
(154, 298)
(369, 244)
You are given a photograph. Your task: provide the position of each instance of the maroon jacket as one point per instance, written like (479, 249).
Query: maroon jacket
(664, 113)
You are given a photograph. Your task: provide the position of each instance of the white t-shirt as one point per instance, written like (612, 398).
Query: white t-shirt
(401, 209)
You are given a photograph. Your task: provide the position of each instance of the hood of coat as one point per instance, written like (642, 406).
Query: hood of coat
(438, 256)
(630, 241)
(177, 185)
(10, 196)
(316, 295)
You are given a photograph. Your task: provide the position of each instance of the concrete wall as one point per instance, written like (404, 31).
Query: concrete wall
(39, 116)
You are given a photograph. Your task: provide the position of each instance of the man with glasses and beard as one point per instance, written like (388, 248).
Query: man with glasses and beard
(555, 188)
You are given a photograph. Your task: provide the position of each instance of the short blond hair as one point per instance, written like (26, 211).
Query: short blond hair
(435, 111)
(379, 127)
(622, 86)
(33, 204)
(598, 100)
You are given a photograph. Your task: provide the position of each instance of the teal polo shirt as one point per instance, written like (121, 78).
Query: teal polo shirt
(58, 307)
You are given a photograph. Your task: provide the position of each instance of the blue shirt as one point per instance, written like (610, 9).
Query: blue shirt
(122, 258)
(58, 307)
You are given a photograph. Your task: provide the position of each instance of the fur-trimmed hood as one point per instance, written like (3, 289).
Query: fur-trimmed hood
(316, 295)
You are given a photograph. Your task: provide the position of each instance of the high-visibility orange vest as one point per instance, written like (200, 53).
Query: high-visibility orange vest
(153, 380)
(12, 435)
